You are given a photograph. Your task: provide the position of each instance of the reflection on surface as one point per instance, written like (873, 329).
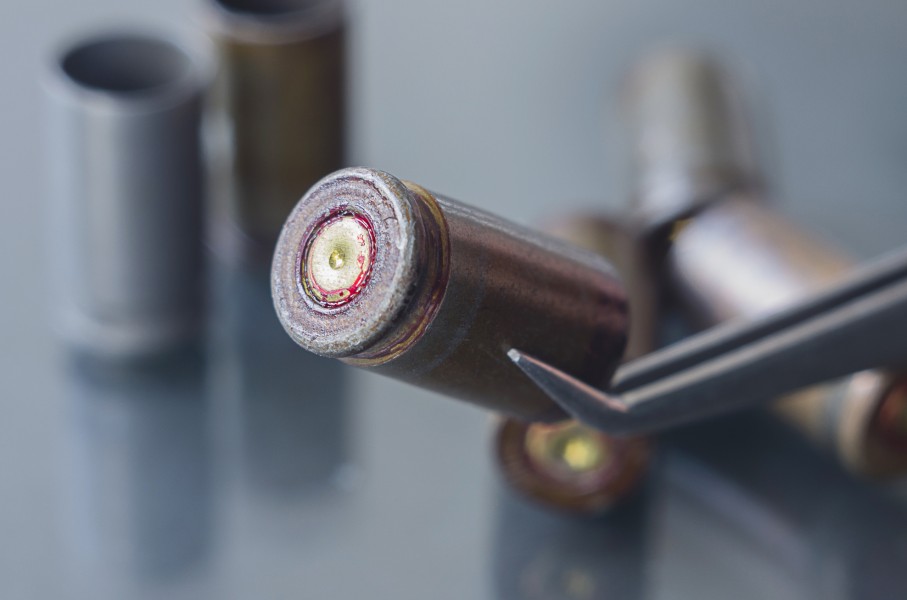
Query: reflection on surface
(290, 406)
(182, 473)
(138, 469)
(220, 475)
(538, 554)
(747, 508)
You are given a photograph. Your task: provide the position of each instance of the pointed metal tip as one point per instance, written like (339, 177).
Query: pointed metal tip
(579, 400)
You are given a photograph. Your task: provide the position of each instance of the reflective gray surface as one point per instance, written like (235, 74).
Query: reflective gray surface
(255, 471)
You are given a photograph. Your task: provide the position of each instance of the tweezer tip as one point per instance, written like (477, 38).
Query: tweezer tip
(578, 399)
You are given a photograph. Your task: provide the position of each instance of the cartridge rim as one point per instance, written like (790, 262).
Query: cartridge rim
(593, 486)
(340, 327)
(127, 70)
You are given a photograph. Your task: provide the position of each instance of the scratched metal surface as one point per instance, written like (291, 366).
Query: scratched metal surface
(254, 470)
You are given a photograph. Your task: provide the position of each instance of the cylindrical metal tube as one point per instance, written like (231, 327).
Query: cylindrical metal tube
(570, 466)
(688, 140)
(734, 258)
(622, 243)
(126, 176)
(739, 260)
(387, 276)
(280, 95)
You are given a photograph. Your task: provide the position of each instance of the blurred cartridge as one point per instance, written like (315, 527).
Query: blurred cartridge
(739, 260)
(392, 278)
(126, 177)
(280, 101)
(731, 257)
(570, 466)
(686, 135)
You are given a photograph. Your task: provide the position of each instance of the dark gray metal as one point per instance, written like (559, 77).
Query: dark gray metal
(859, 324)
(126, 176)
(689, 141)
(441, 290)
(737, 259)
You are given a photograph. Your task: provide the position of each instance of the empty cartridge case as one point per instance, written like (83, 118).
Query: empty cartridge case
(730, 257)
(387, 276)
(126, 177)
(568, 465)
(738, 259)
(686, 134)
(280, 96)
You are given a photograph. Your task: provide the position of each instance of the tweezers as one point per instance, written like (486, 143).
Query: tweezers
(860, 323)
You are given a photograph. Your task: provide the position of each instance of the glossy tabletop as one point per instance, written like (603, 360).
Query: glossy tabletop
(246, 468)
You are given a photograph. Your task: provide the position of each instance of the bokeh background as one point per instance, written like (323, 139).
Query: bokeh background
(264, 474)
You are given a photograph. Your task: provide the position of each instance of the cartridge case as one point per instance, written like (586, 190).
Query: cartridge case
(280, 105)
(686, 135)
(387, 276)
(567, 465)
(725, 255)
(126, 192)
(738, 260)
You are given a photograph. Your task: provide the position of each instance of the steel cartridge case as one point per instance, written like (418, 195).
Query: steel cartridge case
(279, 98)
(387, 276)
(731, 257)
(126, 192)
(687, 137)
(738, 260)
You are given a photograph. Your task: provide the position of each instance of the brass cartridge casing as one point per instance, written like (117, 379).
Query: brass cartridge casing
(570, 466)
(280, 95)
(389, 277)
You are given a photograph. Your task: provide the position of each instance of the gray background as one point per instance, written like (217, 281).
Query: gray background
(510, 105)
